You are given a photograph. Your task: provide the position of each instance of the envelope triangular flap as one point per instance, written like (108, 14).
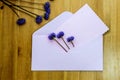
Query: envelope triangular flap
(54, 24)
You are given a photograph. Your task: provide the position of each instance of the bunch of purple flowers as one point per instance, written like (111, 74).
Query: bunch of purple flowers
(21, 8)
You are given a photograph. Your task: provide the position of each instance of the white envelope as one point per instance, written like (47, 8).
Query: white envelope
(88, 30)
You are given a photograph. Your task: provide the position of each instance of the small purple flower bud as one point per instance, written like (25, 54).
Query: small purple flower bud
(21, 21)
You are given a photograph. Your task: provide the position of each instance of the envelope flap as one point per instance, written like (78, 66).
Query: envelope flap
(54, 24)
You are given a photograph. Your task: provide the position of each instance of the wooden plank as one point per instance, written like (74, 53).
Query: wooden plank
(16, 42)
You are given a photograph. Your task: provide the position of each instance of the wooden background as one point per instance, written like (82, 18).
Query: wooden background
(15, 42)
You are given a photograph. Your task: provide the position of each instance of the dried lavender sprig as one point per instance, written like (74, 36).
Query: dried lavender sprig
(21, 21)
(46, 18)
(21, 8)
(16, 8)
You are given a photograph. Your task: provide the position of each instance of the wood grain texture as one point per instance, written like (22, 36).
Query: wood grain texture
(15, 42)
